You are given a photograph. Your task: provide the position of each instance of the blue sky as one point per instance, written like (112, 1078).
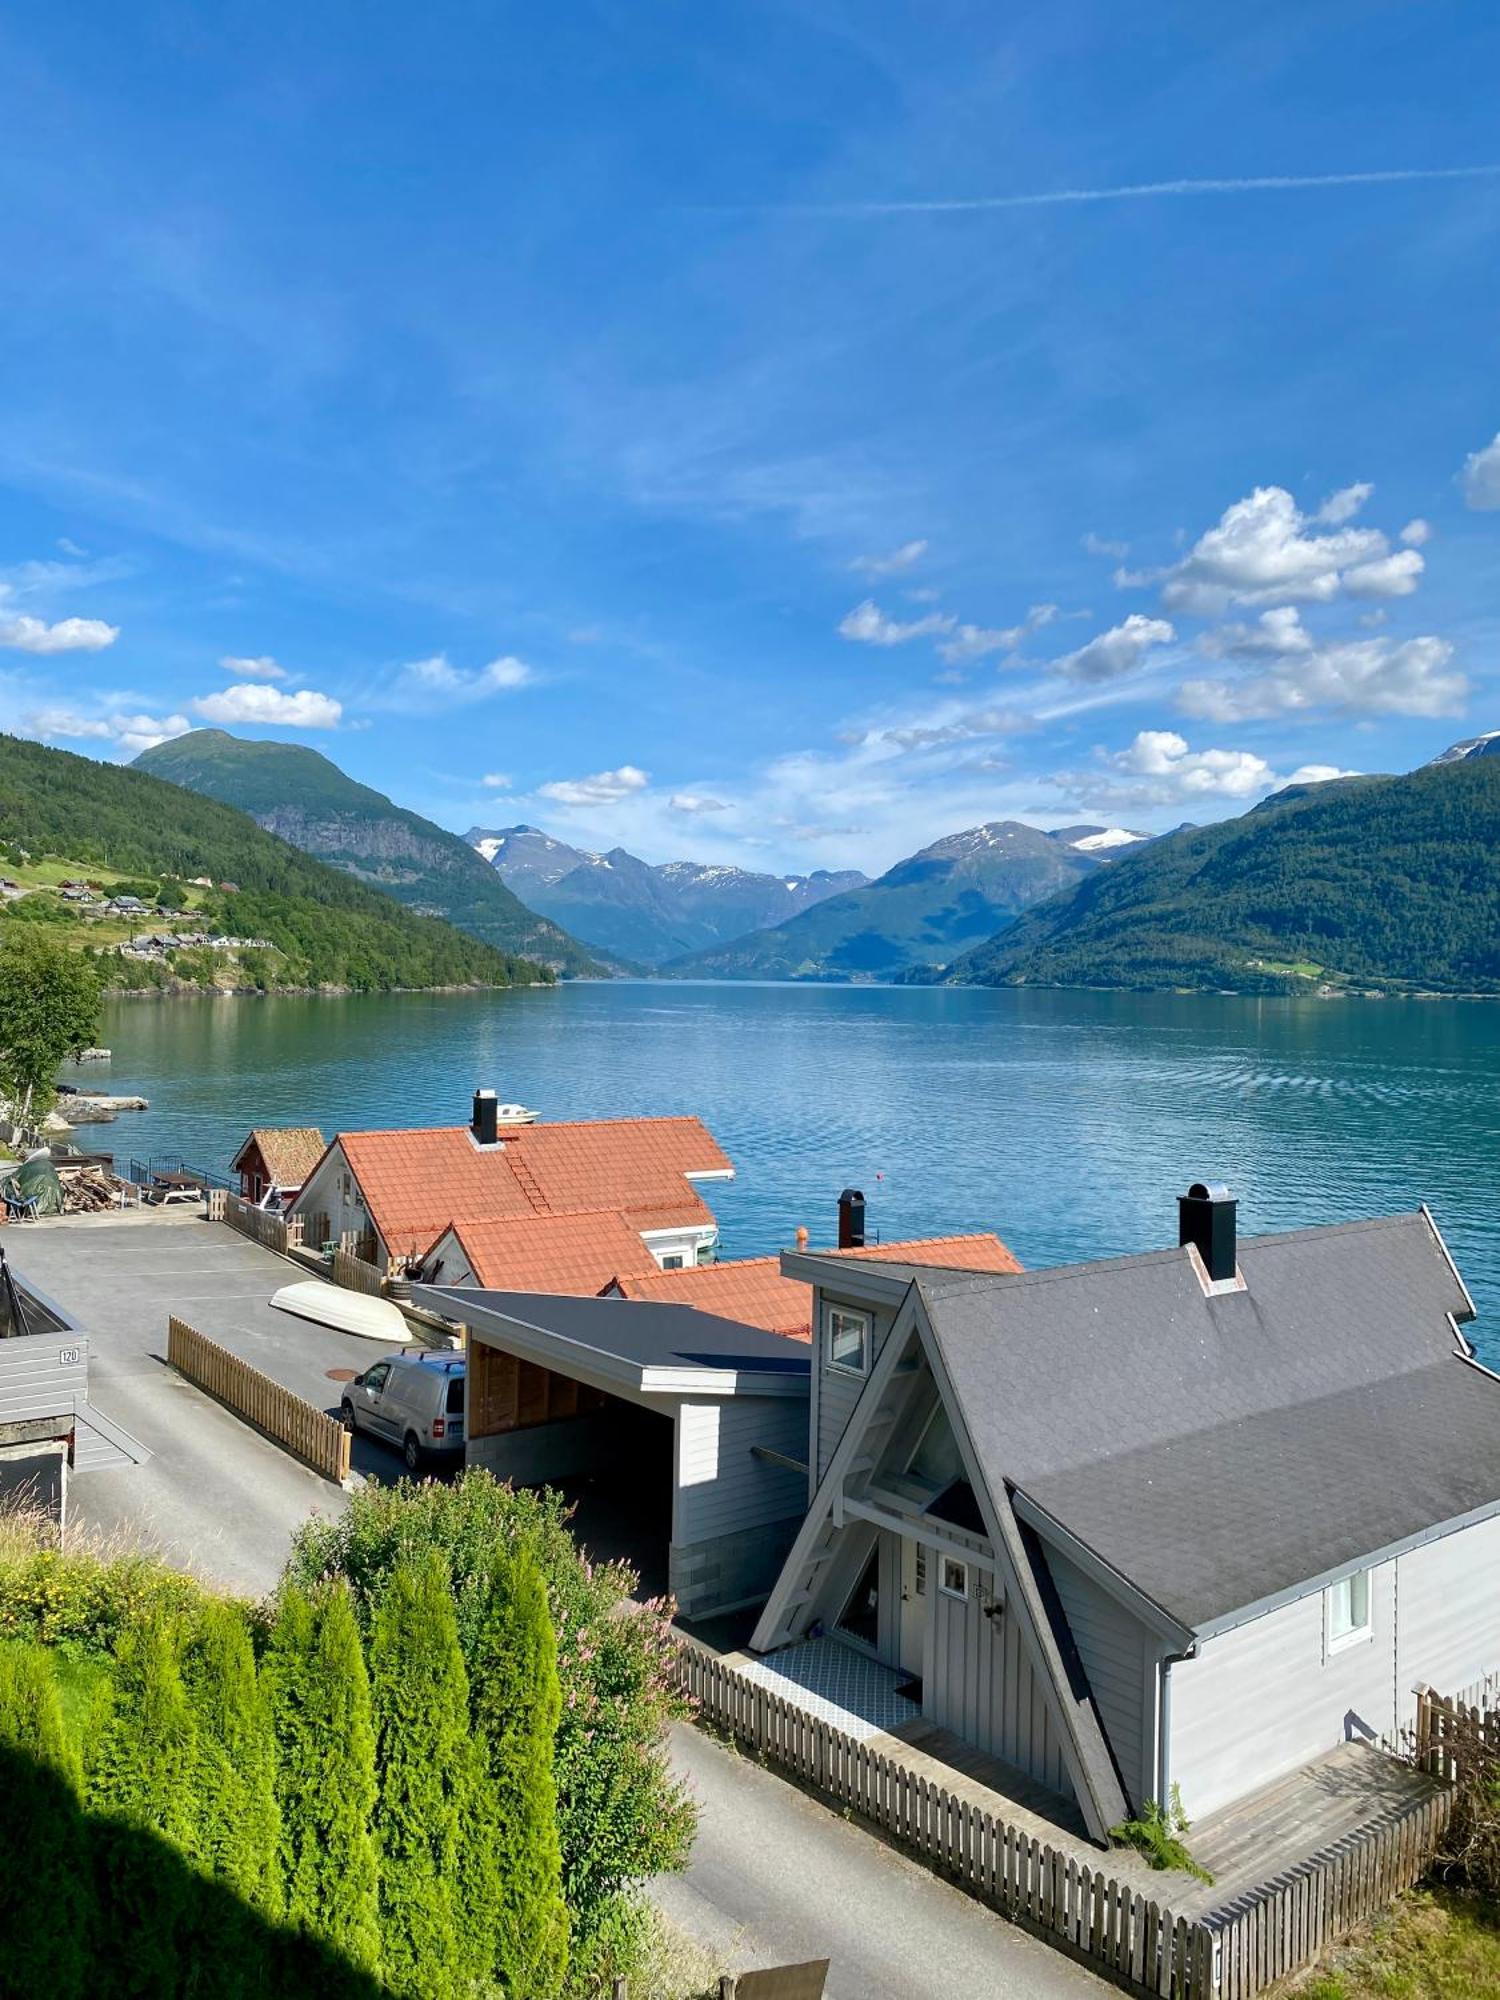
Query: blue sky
(680, 426)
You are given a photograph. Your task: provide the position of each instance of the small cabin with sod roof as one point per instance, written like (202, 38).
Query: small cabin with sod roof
(274, 1162)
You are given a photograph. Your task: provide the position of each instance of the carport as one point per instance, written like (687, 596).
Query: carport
(682, 1436)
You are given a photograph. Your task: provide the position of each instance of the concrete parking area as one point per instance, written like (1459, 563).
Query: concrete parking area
(216, 1497)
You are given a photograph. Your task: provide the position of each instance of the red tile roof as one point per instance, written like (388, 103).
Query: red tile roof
(552, 1253)
(753, 1290)
(415, 1183)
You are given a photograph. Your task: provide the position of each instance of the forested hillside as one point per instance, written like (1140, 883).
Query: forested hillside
(1388, 882)
(306, 799)
(326, 929)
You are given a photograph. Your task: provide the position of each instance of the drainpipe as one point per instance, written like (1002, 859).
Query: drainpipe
(1164, 1725)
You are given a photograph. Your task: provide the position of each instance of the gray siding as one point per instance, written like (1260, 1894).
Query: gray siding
(1268, 1695)
(1116, 1651)
(42, 1375)
(837, 1391)
(735, 1515)
(981, 1686)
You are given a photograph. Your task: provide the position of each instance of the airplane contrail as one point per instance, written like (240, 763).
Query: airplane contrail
(1136, 191)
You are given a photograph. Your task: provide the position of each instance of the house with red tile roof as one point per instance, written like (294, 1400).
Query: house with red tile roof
(754, 1291)
(398, 1192)
(575, 1253)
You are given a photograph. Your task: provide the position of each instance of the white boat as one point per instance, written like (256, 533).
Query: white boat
(349, 1312)
(514, 1114)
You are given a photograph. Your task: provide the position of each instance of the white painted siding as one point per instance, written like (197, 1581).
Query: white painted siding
(1116, 1651)
(981, 1686)
(1448, 1602)
(722, 1486)
(1267, 1696)
(324, 1195)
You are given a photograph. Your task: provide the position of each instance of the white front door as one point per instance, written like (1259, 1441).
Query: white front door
(915, 1562)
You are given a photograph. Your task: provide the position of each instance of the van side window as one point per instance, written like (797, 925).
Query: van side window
(375, 1378)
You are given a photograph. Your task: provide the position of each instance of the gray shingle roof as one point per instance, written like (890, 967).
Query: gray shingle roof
(644, 1332)
(1137, 1409)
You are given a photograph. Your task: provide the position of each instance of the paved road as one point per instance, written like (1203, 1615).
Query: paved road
(216, 1497)
(776, 1877)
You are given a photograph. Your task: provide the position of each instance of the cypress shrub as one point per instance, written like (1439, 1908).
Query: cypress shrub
(426, 1766)
(44, 1884)
(516, 1705)
(318, 1698)
(141, 1780)
(240, 1826)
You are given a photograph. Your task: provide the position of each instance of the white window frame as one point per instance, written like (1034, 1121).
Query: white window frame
(1357, 1635)
(831, 1314)
(959, 1590)
(673, 1260)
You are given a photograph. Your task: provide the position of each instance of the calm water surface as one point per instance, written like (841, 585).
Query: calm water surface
(1068, 1122)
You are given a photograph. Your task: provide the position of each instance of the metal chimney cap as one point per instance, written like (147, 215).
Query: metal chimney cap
(1209, 1191)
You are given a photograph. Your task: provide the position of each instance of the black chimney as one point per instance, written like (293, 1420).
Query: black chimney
(851, 1220)
(485, 1124)
(1205, 1218)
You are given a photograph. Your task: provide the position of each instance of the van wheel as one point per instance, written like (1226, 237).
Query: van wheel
(346, 1415)
(411, 1451)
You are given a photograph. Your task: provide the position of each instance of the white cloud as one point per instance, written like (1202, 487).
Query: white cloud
(947, 724)
(439, 681)
(869, 626)
(1376, 676)
(68, 635)
(1417, 533)
(1388, 576)
(1345, 504)
(696, 802)
(1262, 553)
(496, 781)
(1101, 545)
(261, 668)
(1481, 477)
(603, 788)
(906, 557)
(974, 642)
(1160, 768)
(1115, 652)
(247, 702)
(133, 733)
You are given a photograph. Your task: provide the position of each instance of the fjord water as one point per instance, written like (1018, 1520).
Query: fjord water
(1068, 1122)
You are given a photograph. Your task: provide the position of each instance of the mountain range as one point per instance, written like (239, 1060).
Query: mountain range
(923, 912)
(327, 932)
(630, 909)
(1389, 882)
(300, 795)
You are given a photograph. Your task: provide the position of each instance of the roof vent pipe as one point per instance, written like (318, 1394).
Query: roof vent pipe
(485, 1123)
(1206, 1219)
(851, 1220)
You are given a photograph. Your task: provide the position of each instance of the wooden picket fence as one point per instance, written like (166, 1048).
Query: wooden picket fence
(262, 1225)
(1453, 1732)
(356, 1275)
(1232, 1953)
(308, 1433)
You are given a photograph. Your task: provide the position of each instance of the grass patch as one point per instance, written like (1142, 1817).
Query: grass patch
(1433, 1944)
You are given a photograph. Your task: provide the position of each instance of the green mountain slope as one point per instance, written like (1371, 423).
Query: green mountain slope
(1393, 882)
(299, 794)
(920, 914)
(326, 930)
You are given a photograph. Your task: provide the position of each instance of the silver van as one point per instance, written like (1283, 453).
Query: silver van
(412, 1401)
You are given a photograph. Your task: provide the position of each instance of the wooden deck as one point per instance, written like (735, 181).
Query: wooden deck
(1340, 1796)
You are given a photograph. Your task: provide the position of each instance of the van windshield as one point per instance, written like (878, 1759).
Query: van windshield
(456, 1396)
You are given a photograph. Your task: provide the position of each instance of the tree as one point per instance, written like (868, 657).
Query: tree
(140, 1780)
(44, 1893)
(49, 1009)
(516, 1704)
(426, 1766)
(318, 1697)
(240, 1825)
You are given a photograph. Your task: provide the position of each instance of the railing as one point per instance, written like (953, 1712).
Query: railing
(1230, 1954)
(308, 1433)
(144, 1172)
(272, 1230)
